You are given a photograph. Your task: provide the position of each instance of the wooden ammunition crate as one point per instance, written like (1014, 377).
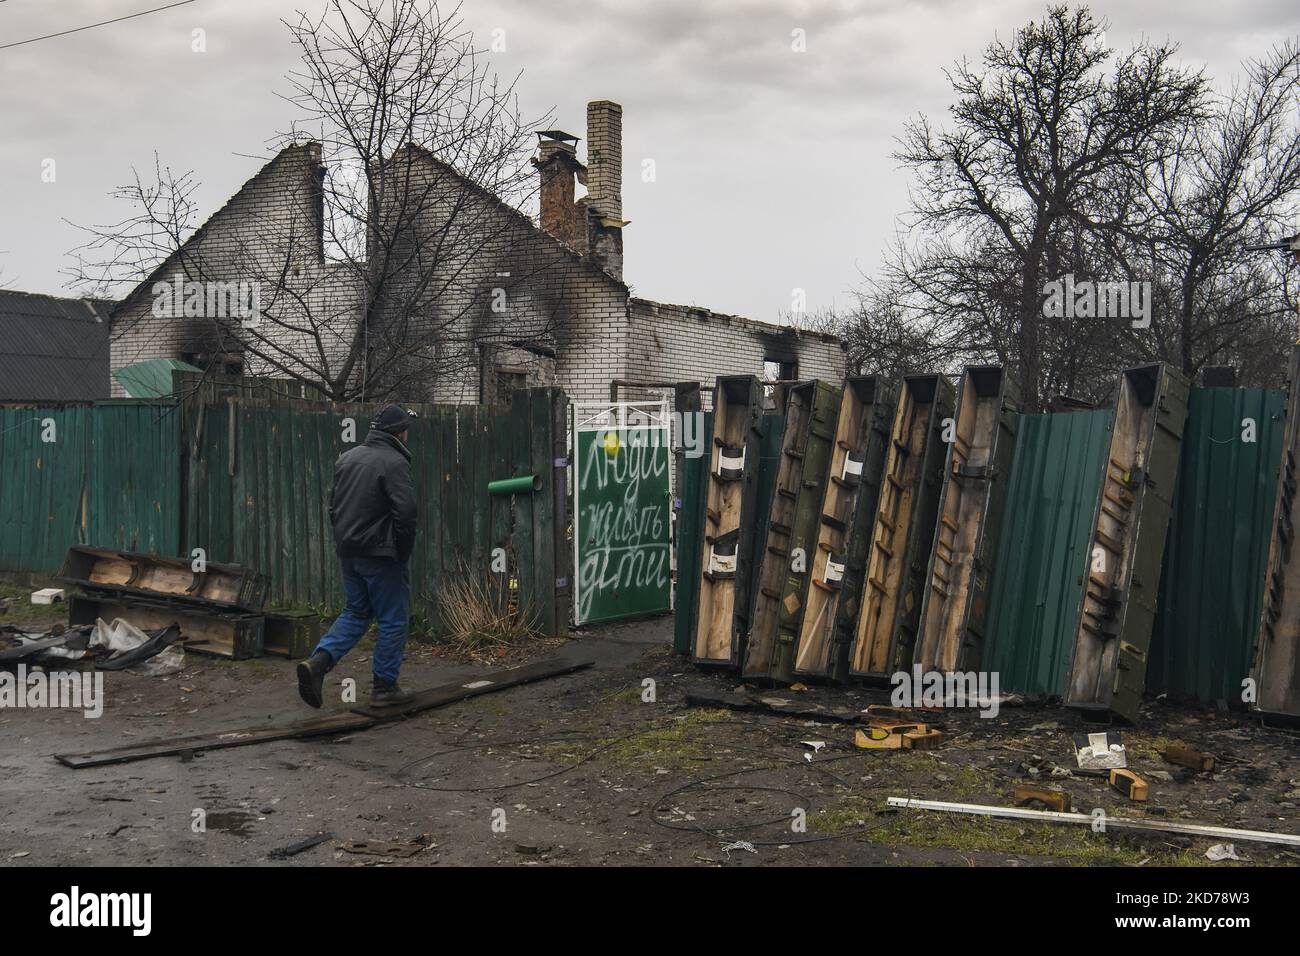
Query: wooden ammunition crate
(148, 575)
(206, 630)
(291, 634)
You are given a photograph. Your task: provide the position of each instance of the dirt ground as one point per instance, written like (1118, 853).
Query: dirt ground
(582, 770)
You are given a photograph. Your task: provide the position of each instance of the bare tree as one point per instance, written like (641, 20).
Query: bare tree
(1045, 124)
(1234, 180)
(400, 252)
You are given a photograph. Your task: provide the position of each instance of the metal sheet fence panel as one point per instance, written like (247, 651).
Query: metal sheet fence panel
(1213, 579)
(1034, 600)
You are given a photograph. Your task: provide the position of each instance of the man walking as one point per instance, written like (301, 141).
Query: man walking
(373, 511)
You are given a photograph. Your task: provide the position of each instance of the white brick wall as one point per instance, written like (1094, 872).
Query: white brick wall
(269, 228)
(675, 343)
(550, 297)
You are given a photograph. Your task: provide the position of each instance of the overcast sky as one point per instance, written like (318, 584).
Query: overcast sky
(773, 167)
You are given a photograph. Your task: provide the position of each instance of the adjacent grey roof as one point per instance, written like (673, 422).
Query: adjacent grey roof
(52, 348)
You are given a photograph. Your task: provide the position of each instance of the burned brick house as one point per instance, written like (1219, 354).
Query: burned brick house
(510, 303)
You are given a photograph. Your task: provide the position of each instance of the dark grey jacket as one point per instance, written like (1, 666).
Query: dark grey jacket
(373, 506)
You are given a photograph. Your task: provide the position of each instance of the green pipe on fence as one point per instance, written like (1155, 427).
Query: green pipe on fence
(511, 486)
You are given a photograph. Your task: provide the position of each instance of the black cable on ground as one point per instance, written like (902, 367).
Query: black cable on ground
(502, 743)
(719, 833)
(700, 784)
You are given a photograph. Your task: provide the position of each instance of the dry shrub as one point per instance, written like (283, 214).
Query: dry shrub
(482, 618)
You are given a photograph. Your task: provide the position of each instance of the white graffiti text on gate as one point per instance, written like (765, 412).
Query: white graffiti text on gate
(625, 537)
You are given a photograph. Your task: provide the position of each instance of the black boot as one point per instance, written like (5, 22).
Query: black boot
(311, 677)
(387, 694)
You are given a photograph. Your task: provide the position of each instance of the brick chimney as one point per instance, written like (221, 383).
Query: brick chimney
(557, 164)
(604, 180)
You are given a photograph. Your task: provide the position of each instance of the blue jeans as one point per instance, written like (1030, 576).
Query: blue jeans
(375, 588)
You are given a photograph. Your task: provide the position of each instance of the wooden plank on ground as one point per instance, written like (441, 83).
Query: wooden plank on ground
(358, 718)
(777, 703)
(331, 724)
(476, 686)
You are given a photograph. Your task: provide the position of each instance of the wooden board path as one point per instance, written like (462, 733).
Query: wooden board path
(357, 718)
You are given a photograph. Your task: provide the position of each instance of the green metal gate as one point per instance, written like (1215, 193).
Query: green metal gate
(622, 507)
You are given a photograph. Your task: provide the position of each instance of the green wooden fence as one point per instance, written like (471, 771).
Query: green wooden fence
(259, 476)
(248, 480)
(104, 473)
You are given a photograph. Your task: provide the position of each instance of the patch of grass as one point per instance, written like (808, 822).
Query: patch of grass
(962, 783)
(668, 745)
(1148, 746)
(22, 613)
(962, 832)
(628, 695)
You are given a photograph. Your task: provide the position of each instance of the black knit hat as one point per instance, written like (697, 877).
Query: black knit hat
(393, 419)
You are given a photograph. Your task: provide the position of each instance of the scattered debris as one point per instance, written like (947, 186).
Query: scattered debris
(1027, 794)
(1187, 757)
(293, 849)
(771, 704)
(888, 735)
(528, 849)
(877, 738)
(1220, 852)
(155, 655)
(1129, 784)
(922, 738)
(48, 596)
(1099, 753)
(117, 647)
(397, 849)
(17, 645)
